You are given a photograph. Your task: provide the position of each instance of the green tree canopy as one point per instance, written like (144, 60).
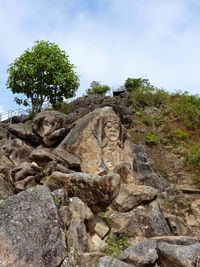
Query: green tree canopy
(97, 88)
(132, 84)
(43, 73)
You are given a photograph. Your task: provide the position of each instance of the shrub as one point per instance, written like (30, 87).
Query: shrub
(151, 138)
(97, 88)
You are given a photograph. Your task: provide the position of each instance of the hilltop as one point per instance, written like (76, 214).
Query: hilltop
(115, 179)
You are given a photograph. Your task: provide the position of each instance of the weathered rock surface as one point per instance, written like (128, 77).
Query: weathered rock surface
(178, 256)
(147, 176)
(176, 224)
(97, 244)
(99, 141)
(50, 126)
(101, 228)
(25, 170)
(141, 254)
(88, 259)
(24, 132)
(42, 156)
(17, 151)
(30, 234)
(80, 211)
(6, 190)
(145, 221)
(96, 191)
(131, 196)
(109, 261)
(77, 237)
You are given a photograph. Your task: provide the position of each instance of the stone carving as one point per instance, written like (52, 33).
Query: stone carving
(100, 141)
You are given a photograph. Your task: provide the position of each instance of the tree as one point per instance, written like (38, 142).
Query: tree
(97, 88)
(132, 84)
(43, 73)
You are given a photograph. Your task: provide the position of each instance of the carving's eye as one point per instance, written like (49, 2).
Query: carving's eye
(116, 125)
(109, 124)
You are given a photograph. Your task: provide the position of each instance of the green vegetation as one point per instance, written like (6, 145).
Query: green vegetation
(97, 88)
(57, 201)
(116, 244)
(170, 119)
(43, 73)
(151, 138)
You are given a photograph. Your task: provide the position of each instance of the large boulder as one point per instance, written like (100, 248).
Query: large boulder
(146, 174)
(131, 196)
(30, 232)
(178, 256)
(143, 221)
(24, 131)
(51, 126)
(96, 191)
(108, 261)
(17, 151)
(141, 254)
(100, 142)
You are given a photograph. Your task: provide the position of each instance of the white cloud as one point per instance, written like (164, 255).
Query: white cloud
(110, 41)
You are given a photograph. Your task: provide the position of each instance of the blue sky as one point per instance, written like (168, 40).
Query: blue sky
(108, 40)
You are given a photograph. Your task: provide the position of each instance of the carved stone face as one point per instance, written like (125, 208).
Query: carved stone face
(112, 130)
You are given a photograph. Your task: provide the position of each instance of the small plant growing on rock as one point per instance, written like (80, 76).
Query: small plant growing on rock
(151, 138)
(57, 201)
(116, 244)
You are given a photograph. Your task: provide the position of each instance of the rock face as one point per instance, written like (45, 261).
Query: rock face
(51, 126)
(142, 254)
(174, 255)
(96, 191)
(100, 142)
(131, 196)
(144, 221)
(30, 234)
(87, 191)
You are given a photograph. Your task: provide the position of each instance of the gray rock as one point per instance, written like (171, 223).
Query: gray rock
(131, 196)
(177, 255)
(109, 261)
(178, 240)
(176, 224)
(141, 254)
(96, 191)
(17, 151)
(145, 221)
(6, 190)
(26, 169)
(26, 183)
(77, 237)
(24, 131)
(101, 228)
(80, 211)
(66, 216)
(97, 244)
(42, 156)
(30, 234)
(50, 126)
(88, 259)
(146, 174)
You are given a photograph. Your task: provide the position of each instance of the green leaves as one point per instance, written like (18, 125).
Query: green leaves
(43, 73)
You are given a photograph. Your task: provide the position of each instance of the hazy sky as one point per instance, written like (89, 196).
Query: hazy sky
(108, 40)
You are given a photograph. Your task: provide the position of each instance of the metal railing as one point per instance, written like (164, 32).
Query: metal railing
(9, 114)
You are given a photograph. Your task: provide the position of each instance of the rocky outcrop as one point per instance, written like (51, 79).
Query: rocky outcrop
(87, 191)
(51, 126)
(30, 232)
